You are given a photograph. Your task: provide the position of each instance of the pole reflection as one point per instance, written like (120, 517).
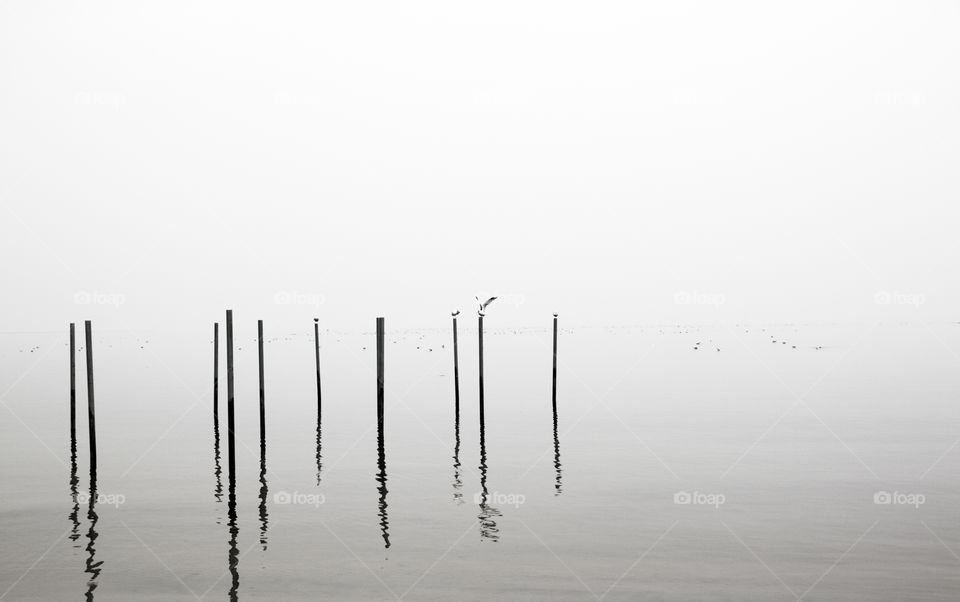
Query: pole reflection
(93, 566)
(382, 487)
(488, 513)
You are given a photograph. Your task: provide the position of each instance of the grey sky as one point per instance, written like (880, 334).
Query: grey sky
(617, 162)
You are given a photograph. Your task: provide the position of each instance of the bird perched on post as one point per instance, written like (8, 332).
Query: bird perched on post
(455, 313)
(483, 305)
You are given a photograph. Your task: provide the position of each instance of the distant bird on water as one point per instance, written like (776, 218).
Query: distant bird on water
(483, 305)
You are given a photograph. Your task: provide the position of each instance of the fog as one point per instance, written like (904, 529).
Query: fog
(618, 163)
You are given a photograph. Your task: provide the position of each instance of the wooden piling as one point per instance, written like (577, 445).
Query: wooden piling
(91, 413)
(263, 422)
(456, 371)
(558, 484)
(316, 346)
(231, 444)
(480, 331)
(380, 329)
(216, 372)
(554, 364)
(73, 381)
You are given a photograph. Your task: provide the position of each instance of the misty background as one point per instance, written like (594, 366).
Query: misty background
(617, 162)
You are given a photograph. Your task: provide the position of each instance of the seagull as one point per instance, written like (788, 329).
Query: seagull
(455, 313)
(483, 305)
(555, 315)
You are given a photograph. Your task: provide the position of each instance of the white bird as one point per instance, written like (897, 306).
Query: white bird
(483, 305)
(455, 314)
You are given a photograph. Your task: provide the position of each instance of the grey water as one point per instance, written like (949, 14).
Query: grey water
(724, 462)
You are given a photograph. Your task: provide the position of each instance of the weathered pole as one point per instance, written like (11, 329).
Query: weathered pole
(554, 363)
(73, 381)
(480, 329)
(216, 372)
(456, 370)
(263, 422)
(91, 413)
(231, 444)
(316, 346)
(380, 329)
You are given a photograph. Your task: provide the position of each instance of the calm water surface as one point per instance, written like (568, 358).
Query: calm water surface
(684, 463)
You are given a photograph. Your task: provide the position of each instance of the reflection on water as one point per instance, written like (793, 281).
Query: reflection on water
(556, 436)
(93, 565)
(233, 555)
(217, 469)
(263, 444)
(457, 480)
(263, 492)
(488, 526)
(319, 451)
(74, 515)
(382, 486)
(598, 504)
(381, 455)
(558, 486)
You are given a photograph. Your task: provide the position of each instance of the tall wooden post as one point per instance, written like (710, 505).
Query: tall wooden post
(91, 412)
(216, 372)
(480, 329)
(263, 422)
(73, 381)
(554, 363)
(456, 370)
(380, 329)
(316, 346)
(231, 444)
